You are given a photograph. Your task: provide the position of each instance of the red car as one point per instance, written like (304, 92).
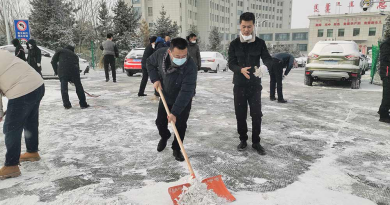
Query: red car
(133, 60)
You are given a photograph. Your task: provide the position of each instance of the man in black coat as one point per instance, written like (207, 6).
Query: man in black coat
(34, 55)
(279, 62)
(149, 50)
(19, 50)
(66, 65)
(385, 76)
(244, 55)
(171, 70)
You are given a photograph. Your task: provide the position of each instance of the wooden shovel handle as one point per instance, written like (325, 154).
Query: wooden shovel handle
(177, 134)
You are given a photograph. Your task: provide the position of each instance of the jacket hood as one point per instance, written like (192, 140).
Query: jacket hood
(69, 47)
(16, 42)
(32, 42)
(159, 40)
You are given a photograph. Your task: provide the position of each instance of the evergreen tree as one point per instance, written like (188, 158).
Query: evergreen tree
(105, 20)
(215, 40)
(144, 33)
(52, 22)
(125, 23)
(164, 26)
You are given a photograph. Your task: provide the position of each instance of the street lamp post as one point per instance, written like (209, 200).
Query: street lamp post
(261, 24)
(6, 24)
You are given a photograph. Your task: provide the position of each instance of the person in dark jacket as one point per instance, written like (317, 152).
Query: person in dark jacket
(110, 52)
(193, 49)
(34, 55)
(19, 50)
(171, 70)
(385, 77)
(167, 41)
(66, 65)
(244, 55)
(149, 50)
(279, 62)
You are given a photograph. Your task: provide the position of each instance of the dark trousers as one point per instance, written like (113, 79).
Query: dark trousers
(144, 81)
(79, 90)
(22, 114)
(181, 123)
(385, 106)
(242, 97)
(109, 60)
(276, 75)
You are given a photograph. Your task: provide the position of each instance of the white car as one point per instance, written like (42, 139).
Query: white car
(301, 61)
(213, 61)
(47, 54)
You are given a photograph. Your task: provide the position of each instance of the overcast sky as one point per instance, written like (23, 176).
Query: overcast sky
(304, 8)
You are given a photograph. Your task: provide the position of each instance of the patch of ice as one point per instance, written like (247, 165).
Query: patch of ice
(260, 180)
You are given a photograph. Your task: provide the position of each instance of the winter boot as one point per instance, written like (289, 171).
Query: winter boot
(282, 101)
(85, 107)
(162, 144)
(272, 98)
(178, 155)
(259, 149)
(32, 157)
(9, 171)
(142, 95)
(384, 117)
(242, 146)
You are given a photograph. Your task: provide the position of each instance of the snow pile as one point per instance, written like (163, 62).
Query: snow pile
(198, 194)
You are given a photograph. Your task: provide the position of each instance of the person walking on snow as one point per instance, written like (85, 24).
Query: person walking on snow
(66, 65)
(110, 52)
(34, 56)
(171, 70)
(19, 50)
(149, 50)
(385, 77)
(244, 55)
(280, 61)
(24, 88)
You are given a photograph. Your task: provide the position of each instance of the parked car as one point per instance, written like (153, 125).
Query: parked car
(133, 60)
(47, 54)
(364, 63)
(213, 61)
(301, 61)
(334, 60)
(369, 61)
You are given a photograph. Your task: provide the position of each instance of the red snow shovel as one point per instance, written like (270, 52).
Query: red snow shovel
(213, 183)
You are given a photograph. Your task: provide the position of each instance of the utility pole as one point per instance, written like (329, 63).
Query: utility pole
(261, 24)
(5, 13)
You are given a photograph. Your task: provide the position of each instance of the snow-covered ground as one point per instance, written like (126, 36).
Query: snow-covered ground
(325, 147)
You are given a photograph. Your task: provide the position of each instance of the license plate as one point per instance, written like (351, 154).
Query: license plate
(331, 62)
(137, 60)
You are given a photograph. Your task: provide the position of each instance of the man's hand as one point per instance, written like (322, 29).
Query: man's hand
(245, 72)
(157, 85)
(171, 118)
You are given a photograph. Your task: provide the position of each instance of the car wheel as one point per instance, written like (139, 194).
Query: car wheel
(355, 83)
(206, 71)
(217, 69)
(129, 73)
(308, 80)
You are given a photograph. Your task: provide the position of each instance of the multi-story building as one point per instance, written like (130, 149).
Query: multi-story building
(363, 28)
(223, 14)
(297, 38)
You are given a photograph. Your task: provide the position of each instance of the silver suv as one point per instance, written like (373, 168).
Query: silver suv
(334, 60)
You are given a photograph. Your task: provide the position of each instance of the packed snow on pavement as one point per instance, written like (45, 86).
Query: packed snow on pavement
(324, 147)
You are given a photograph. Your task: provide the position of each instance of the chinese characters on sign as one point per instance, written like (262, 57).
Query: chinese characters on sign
(316, 9)
(382, 4)
(327, 8)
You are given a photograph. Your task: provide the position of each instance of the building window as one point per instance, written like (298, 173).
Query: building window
(234, 36)
(266, 37)
(136, 1)
(300, 36)
(372, 32)
(356, 31)
(302, 47)
(282, 36)
(341, 32)
(150, 25)
(239, 12)
(320, 33)
(150, 11)
(329, 33)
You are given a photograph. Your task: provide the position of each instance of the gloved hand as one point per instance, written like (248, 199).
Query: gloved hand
(38, 64)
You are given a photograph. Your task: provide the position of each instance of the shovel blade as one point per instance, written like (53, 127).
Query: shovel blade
(213, 183)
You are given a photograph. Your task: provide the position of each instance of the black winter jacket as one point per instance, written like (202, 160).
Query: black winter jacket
(287, 61)
(178, 86)
(194, 52)
(66, 63)
(19, 50)
(384, 70)
(149, 50)
(243, 55)
(34, 55)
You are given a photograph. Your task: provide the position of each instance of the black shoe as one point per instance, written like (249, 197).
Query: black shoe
(142, 95)
(272, 98)
(107, 80)
(282, 101)
(178, 155)
(85, 106)
(385, 120)
(162, 144)
(68, 107)
(114, 81)
(242, 146)
(259, 149)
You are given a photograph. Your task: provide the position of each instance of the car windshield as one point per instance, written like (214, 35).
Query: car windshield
(136, 53)
(207, 55)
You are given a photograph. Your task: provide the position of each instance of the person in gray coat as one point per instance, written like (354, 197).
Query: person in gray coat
(110, 52)
(193, 49)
